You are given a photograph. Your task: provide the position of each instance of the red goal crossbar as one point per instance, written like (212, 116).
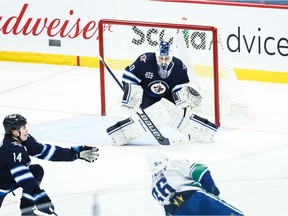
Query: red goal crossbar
(101, 26)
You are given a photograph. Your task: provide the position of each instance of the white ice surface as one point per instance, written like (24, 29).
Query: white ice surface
(249, 161)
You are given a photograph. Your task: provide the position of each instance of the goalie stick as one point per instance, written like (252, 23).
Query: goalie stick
(141, 113)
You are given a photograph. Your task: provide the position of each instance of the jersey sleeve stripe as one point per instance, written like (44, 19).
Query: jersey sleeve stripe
(43, 150)
(4, 192)
(50, 153)
(128, 77)
(47, 152)
(18, 169)
(177, 87)
(23, 177)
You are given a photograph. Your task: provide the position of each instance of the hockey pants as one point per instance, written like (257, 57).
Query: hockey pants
(202, 203)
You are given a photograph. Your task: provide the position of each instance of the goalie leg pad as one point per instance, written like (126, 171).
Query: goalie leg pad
(200, 129)
(125, 131)
(158, 113)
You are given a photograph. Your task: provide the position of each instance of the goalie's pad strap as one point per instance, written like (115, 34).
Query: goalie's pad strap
(125, 131)
(200, 129)
(119, 125)
(204, 122)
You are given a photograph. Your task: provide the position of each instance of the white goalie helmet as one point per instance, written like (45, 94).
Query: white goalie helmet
(155, 160)
(164, 59)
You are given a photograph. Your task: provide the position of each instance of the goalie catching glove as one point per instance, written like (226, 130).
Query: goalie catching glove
(187, 96)
(87, 153)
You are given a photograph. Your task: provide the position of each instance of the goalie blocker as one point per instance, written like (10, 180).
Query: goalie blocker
(163, 112)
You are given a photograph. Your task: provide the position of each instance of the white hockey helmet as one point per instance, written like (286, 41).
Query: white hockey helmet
(164, 59)
(156, 159)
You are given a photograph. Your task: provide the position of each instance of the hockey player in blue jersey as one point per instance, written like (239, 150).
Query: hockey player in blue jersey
(158, 83)
(16, 170)
(185, 188)
(158, 74)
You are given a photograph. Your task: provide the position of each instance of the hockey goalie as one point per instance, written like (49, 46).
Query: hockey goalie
(158, 83)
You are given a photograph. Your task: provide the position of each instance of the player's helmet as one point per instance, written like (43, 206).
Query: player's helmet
(13, 121)
(164, 59)
(156, 160)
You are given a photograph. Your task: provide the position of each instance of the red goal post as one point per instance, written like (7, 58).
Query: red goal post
(103, 23)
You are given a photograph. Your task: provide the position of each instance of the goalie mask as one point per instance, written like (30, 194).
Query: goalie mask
(164, 59)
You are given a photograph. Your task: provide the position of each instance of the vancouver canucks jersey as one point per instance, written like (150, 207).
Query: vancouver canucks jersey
(15, 160)
(179, 176)
(144, 72)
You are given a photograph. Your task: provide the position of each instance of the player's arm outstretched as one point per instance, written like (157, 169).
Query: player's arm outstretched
(57, 153)
(16, 168)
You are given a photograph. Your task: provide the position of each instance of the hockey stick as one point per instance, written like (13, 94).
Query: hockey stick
(141, 113)
(112, 74)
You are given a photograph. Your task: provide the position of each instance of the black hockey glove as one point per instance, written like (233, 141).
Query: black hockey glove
(87, 153)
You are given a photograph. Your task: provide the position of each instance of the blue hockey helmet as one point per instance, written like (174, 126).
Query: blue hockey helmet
(164, 59)
(13, 121)
(164, 48)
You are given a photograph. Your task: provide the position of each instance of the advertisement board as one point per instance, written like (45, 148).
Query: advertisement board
(253, 38)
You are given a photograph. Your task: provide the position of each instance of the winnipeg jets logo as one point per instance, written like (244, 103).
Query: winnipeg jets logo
(143, 58)
(158, 87)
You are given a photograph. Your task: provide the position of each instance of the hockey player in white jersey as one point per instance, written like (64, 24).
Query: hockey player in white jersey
(185, 188)
(158, 83)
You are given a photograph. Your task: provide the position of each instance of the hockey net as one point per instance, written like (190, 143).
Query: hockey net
(199, 47)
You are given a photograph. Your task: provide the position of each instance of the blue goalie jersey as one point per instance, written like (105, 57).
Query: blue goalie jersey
(144, 72)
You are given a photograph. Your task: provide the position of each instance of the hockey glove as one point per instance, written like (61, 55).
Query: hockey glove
(87, 153)
(187, 96)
